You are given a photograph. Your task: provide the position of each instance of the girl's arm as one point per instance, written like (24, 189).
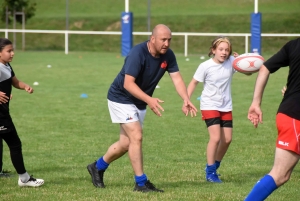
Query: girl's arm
(191, 87)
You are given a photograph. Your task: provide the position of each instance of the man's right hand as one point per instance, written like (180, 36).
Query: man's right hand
(154, 105)
(255, 115)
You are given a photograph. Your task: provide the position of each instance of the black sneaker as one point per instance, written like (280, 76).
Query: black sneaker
(4, 174)
(97, 175)
(149, 187)
(5, 171)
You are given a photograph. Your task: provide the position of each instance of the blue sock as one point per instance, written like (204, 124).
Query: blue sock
(101, 164)
(141, 180)
(218, 163)
(262, 189)
(210, 169)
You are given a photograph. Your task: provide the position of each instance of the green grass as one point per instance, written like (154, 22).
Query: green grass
(62, 133)
(97, 8)
(216, 16)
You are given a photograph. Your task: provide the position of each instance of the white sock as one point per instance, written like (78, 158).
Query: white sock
(24, 177)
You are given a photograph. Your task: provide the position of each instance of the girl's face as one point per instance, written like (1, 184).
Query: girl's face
(7, 54)
(221, 52)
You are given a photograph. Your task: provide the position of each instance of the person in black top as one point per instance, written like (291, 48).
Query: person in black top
(287, 152)
(3, 172)
(8, 132)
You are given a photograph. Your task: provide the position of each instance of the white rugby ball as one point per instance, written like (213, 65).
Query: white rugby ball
(248, 63)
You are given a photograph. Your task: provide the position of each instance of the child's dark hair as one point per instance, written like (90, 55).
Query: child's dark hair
(216, 43)
(4, 42)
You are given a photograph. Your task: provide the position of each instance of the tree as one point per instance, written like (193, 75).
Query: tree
(17, 5)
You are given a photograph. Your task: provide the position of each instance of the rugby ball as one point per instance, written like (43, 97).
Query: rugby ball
(248, 63)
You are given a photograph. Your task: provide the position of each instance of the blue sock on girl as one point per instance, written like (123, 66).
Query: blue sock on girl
(210, 169)
(262, 189)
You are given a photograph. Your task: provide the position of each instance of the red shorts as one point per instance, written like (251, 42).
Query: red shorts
(288, 133)
(209, 114)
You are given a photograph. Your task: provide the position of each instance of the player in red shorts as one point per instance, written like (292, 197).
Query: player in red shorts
(287, 152)
(216, 102)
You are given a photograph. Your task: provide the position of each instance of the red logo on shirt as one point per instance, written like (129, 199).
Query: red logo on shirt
(164, 65)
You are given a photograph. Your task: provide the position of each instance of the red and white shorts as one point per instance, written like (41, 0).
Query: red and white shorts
(208, 114)
(288, 133)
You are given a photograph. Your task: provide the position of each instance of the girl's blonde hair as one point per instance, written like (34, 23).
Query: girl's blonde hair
(217, 42)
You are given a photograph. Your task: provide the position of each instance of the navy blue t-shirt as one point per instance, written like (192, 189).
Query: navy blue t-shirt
(147, 70)
(289, 55)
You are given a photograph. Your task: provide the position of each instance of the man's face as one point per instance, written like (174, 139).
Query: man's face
(162, 41)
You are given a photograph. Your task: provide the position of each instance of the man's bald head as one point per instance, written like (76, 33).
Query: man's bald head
(159, 29)
(160, 40)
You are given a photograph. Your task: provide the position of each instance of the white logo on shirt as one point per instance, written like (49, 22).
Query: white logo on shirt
(283, 143)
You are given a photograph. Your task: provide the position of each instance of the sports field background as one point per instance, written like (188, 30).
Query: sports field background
(62, 133)
(215, 16)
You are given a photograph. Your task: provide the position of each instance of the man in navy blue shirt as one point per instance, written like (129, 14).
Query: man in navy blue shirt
(128, 96)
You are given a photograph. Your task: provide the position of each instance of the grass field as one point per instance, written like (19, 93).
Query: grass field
(215, 16)
(62, 133)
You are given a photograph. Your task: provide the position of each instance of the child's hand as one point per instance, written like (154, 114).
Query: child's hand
(235, 54)
(29, 89)
(3, 98)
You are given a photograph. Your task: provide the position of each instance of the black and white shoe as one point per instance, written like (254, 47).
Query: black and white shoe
(32, 182)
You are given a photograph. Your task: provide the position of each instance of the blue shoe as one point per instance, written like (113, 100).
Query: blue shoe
(213, 178)
(216, 172)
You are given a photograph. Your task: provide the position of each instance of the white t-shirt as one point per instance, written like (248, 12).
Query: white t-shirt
(216, 78)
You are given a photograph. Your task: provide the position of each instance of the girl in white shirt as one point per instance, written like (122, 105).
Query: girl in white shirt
(216, 103)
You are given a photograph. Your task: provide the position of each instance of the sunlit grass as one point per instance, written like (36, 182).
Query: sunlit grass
(62, 133)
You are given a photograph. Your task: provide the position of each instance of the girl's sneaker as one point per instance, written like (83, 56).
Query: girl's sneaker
(213, 178)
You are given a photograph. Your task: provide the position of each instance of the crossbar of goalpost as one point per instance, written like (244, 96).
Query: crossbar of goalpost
(184, 34)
